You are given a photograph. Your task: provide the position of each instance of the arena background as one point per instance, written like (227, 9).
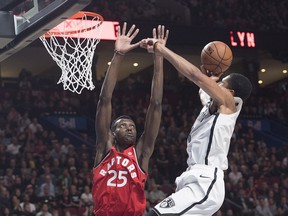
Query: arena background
(46, 131)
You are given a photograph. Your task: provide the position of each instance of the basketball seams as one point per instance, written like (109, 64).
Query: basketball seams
(214, 57)
(215, 65)
(221, 58)
(216, 60)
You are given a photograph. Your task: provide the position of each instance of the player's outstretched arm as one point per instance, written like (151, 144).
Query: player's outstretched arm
(204, 97)
(221, 96)
(146, 142)
(104, 107)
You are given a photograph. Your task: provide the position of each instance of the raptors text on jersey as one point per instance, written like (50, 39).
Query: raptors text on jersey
(118, 184)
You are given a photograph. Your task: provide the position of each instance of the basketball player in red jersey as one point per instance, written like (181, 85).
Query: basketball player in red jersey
(121, 162)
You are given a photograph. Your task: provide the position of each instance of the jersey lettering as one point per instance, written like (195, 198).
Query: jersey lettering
(119, 161)
(121, 176)
(125, 162)
(103, 172)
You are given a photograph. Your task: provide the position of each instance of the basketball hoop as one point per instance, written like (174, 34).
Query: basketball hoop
(74, 55)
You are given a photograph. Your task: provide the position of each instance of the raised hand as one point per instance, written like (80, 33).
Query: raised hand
(123, 41)
(158, 37)
(161, 36)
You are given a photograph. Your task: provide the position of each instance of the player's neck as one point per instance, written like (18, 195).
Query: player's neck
(120, 148)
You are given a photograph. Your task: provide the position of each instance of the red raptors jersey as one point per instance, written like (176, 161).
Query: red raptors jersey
(118, 185)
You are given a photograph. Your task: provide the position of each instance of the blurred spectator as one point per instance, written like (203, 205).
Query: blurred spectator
(155, 195)
(272, 206)
(56, 152)
(6, 211)
(156, 175)
(86, 196)
(35, 127)
(31, 193)
(27, 205)
(4, 197)
(65, 200)
(47, 174)
(44, 210)
(15, 208)
(246, 203)
(65, 144)
(234, 175)
(162, 162)
(65, 178)
(76, 202)
(47, 188)
(262, 207)
(283, 205)
(13, 147)
(9, 178)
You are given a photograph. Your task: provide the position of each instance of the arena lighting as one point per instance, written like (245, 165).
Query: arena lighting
(108, 31)
(242, 39)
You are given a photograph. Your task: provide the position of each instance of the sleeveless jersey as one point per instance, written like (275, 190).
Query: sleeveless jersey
(118, 185)
(209, 139)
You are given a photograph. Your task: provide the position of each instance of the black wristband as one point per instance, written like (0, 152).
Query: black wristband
(119, 53)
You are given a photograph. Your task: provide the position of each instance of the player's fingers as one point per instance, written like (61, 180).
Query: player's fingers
(131, 30)
(150, 49)
(166, 34)
(118, 30)
(143, 43)
(124, 28)
(135, 45)
(134, 34)
(163, 31)
(154, 33)
(159, 31)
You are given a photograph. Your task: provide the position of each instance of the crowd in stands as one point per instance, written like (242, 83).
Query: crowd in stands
(45, 174)
(42, 172)
(256, 15)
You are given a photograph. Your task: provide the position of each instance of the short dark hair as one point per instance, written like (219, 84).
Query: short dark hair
(113, 124)
(240, 84)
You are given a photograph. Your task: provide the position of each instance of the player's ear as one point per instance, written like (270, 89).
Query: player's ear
(112, 134)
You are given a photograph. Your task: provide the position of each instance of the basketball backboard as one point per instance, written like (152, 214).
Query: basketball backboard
(23, 21)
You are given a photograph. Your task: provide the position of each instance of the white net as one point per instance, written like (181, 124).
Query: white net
(73, 51)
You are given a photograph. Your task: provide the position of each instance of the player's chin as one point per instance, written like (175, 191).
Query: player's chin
(130, 140)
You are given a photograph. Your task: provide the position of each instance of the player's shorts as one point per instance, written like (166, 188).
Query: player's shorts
(200, 191)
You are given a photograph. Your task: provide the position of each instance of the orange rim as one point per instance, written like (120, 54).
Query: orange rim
(78, 15)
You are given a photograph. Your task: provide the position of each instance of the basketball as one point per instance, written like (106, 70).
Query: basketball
(216, 57)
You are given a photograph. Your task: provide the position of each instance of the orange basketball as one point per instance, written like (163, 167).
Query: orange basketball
(216, 57)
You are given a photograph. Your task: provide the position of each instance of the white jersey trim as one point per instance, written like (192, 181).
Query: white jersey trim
(135, 153)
